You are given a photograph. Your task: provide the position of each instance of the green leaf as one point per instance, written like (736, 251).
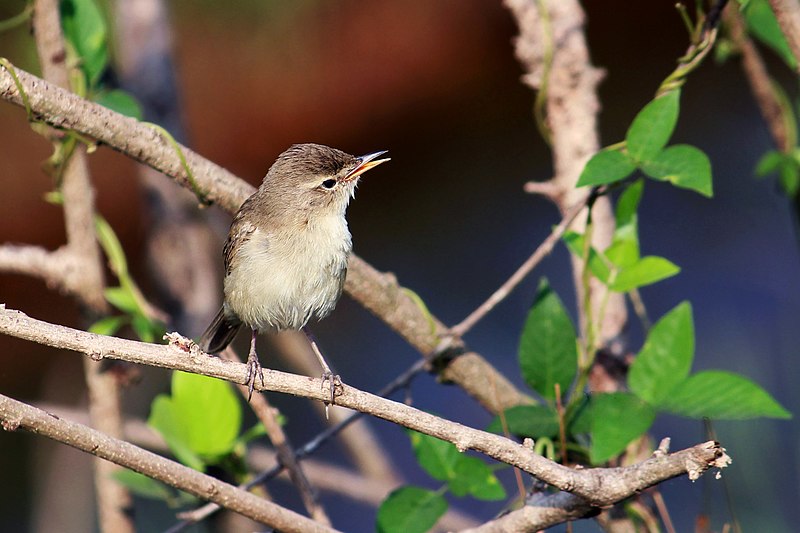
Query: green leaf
(203, 416)
(108, 325)
(665, 358)
(146, 329)
(623, 253)
(606, 166)
(578, 418)
(121, 102)
(769, 163)
(410, 510)
(436, 456)
(624, 249)
(653, 126)
(789, 177)
(684, 166)
(722, 395)
(617, 419)
(474, 477)
(85, 29)
(761, 23)
(599, 265)
(111, 247)
(164, 419)
(122, 299)
(628, 204)
(528, 421)
(142, 486)
(548, 352)
(646, 271)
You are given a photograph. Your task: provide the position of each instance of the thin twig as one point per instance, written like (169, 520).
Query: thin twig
(268, 417)
(542, 251)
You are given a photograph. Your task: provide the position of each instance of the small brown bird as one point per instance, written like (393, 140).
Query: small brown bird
(286, 253)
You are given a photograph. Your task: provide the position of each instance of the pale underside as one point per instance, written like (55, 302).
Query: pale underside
(281, 283)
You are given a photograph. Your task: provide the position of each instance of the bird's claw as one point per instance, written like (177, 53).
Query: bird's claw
(335, 381)
(254, 370)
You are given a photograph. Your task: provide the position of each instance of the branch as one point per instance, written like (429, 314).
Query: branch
(268, 416)
(598, 486)
(86, 279)
(15, 415)
(552, 48)
(788, 14)
(380, 293)
(51, 267)
(761, 85)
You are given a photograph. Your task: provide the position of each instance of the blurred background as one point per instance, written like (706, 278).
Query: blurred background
(437, 84)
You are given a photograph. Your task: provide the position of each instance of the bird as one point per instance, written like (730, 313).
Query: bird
(286, 253)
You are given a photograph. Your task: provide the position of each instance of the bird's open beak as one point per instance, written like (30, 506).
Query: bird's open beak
(367, 162)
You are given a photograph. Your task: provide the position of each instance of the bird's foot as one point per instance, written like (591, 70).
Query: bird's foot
(254, 371)
(335, 381)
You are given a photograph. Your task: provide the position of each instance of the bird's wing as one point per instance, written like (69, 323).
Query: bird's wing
(241, 231)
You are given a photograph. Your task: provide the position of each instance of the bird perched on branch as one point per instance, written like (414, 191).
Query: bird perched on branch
(286, 253)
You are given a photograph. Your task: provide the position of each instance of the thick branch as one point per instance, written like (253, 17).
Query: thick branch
(87, 279)
(64, 109)
(552, 48)
(16, 415)
(599, 486)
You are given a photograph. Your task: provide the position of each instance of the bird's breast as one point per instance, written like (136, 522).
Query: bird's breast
(284, 278)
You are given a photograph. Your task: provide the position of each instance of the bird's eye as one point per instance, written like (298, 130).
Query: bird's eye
(329, 184)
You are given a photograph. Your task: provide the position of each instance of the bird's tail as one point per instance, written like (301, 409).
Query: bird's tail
(219, 333)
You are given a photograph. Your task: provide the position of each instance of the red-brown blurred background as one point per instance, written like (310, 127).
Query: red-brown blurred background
(436, 83)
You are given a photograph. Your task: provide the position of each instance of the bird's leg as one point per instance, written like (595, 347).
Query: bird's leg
(253, 366)
(327, 375)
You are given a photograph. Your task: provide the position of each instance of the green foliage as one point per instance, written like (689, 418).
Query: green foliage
(660, 376)
(410, 510)
(416, 509)
(652, 127)
(85, 29)
(86, 35)
(666, 357)
(645, 148)
(146, 487)
(617, 419)
(548, 353)
(762, 24)
(200, 420)
(684, 166)
(722, 395)
(620, 266)
(786, 165)
(121, 102)
(126, 297)
(528, 421)
(463, 474)
(607, 166)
